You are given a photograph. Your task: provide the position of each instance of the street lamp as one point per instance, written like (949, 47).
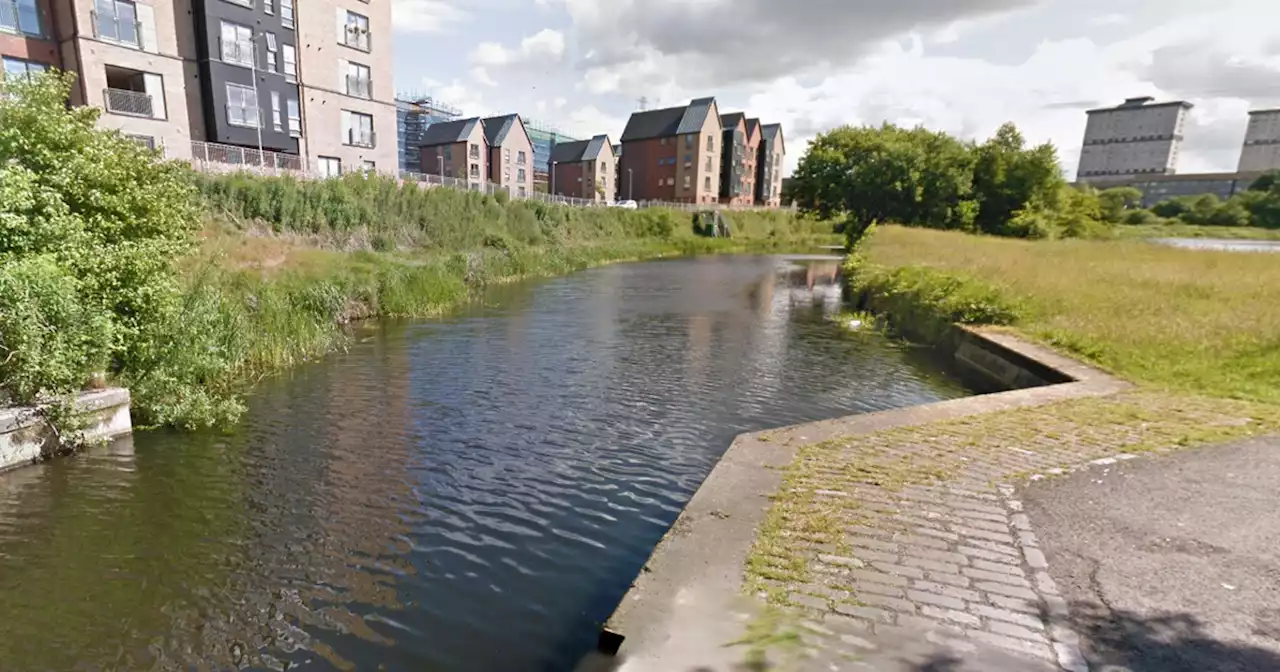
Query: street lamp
(440, 158)
(257, 111)
(630, 183)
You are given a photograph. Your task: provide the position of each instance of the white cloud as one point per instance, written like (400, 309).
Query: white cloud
(481, 75)
(545, 46)
(425, 16)
(1113, 19)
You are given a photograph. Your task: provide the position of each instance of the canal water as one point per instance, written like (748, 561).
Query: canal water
(1222, 244)
(471, 493)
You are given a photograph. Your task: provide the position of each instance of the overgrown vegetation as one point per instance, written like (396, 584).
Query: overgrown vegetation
(1182, 320)
(102, 274)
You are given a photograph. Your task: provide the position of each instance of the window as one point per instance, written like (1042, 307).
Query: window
(706, 183)
(286, 13)
(506, 155)
(246, 3)
(506, 176)
(520, 159)
(290, 62)
(116, 20)
(708, 168)
(276, 121)
(688, 182)
(604, 168)
(369, 166)
(711, 143)
(475, 170)
(475, 151)
(448, 153)
(329, 166)
(269, 6)
(688, 142)
(143, 140)
(523, 192)
(271, 52)
(295, 119)
(357, 129)
(20, 16)
(242, 106)
(521, 175)
(662, 141)
(16, 67)
(358, 81)
(355, 33)
(237, 44)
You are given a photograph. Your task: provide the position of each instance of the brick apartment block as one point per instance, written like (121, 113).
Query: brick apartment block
(585, 169)
(673, 154)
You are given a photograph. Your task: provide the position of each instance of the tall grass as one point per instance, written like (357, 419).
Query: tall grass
(1183, 320)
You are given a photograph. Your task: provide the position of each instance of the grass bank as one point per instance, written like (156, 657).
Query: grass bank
(1185, 321)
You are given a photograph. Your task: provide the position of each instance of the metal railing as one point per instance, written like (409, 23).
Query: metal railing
(217, 158)
(356, 37)
(133, 103)
(238, 52)
(361, 87)
(109, 28)
(361, 138)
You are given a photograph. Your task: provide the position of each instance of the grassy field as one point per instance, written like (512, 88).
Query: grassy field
(1179, 230)
(1179, 320)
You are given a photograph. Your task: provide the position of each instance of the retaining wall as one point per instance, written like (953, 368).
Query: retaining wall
(25, 437)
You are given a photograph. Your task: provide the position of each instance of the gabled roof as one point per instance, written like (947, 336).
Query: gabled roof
(772, 131)
(579, 150)
(669, 121)
(496, 129)
(732, 119)
(753, 126)
(449, 132)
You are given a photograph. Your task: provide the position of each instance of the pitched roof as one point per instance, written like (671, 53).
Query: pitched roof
(772, 131)
(668, 121)
(579, 150)
(496, 129)
(753, 125)
(732, 119)
(569, 152)
(449, 132)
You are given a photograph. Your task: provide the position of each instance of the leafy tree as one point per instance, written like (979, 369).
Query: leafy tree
(1008, 178)
(1266, 182)
(1115, 202)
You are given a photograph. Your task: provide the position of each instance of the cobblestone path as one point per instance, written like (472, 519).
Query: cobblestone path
(915, 534)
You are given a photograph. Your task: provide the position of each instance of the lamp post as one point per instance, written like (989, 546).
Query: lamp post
(257, 110)
(440, 158)
(552, 185)
(631, 178)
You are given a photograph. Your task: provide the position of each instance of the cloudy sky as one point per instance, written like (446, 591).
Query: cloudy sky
(964, 66)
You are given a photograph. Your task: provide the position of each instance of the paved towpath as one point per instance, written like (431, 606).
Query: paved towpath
(911, 549)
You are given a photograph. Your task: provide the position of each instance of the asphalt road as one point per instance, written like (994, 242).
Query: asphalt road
(1172, 563)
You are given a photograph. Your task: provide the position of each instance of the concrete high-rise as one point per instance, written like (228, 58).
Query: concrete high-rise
(1138, 137)
(1261, 151)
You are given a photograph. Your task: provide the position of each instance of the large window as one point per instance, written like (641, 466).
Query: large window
(357, 129)
(116, 20)
(329, 166)
(20, 16)
(237, 44)
(242, 106)
(277, 121)
(295, 118)
(290, 62)
(358, 81)
(286, 13)
(16, 67)
(355, 33)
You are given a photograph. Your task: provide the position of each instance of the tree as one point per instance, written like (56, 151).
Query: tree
(1266, 181)
(887, 174)
(1008, 178)
(1116, 201)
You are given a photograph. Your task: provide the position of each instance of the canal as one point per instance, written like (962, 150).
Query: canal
(470, 493)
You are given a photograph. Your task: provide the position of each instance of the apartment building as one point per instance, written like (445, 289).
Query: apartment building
(349, 109)
(585, 169)
(1138, 137)
(771, 155)
(754, 136)
(27, 41)
(248, 73)
(673, 154)
(1261, 151)
(737, 168)
(510, 154)
(456, 149)
(134, 61)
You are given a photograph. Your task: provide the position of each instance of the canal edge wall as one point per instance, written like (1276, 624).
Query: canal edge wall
(687, 604)
(27, 438)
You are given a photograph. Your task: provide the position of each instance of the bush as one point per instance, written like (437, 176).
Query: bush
(924, 302)
(1141, 217)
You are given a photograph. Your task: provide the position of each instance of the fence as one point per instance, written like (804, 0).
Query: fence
(215, 158)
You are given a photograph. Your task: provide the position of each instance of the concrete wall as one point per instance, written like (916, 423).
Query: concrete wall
(1132, 140)
(1261, 151)
(322, 64)
(25, 438)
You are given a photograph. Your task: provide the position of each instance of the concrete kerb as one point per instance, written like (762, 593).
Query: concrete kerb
(687, 605)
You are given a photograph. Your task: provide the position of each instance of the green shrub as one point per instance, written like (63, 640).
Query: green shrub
(924, 301)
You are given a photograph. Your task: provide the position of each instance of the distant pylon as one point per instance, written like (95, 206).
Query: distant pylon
(644, 103)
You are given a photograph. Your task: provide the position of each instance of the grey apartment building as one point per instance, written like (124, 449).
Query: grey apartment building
(217, 79)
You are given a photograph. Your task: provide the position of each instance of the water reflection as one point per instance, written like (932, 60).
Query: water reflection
(1222, 244)
(470, 493)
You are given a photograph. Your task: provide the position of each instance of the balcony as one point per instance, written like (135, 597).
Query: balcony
(356, 37)
(238, 53)
(131, 103)
(123, 30)
(362, 138)
(359, 87)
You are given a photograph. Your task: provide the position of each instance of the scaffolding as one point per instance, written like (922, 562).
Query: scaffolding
(544, 137)
(414, 115)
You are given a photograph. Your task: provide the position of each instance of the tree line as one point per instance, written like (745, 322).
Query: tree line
(917, 177)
